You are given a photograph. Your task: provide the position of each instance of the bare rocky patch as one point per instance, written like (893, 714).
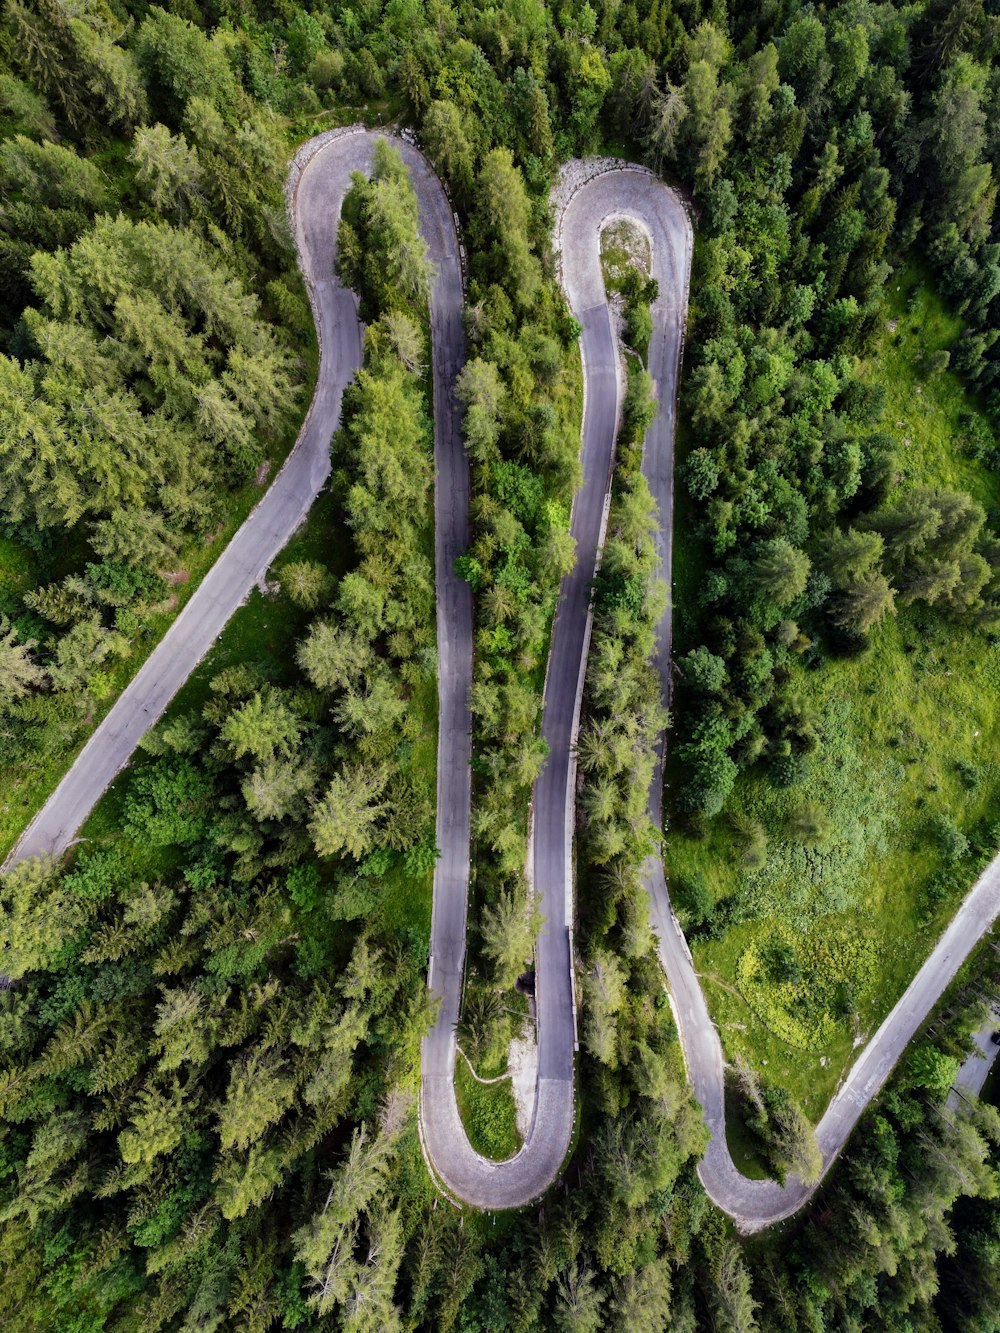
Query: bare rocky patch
(522, 1064)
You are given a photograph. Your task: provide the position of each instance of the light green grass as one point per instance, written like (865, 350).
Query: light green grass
(926, 410)
(488, 1114)
(898, 721)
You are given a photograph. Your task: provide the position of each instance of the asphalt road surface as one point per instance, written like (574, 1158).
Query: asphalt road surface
(463, 1172)
(975, 1070)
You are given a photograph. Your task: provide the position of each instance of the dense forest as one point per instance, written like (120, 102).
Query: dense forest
(210, 1032)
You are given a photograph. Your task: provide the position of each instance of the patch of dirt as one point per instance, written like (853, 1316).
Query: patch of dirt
(174, 576)
(617, 307)
(263, 472)
(522, 1063)
(269, 587)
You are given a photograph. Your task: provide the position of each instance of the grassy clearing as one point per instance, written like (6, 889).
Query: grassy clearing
(377, 113)
(28, 785)
(928, 413)
(18, 569)
(488, 1113)
(911, 731)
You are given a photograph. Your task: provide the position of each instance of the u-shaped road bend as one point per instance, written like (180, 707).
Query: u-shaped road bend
(466, 1174)
(318, 182)
(319, 179)
(754, 1204)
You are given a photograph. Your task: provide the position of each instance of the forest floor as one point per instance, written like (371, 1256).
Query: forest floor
(910, 730)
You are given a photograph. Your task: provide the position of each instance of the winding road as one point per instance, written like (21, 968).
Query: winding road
(319, 179)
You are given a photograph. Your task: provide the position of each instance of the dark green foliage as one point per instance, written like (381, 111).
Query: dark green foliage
(381, 252)
(950, 838)
(144, 296)
(779, 422)
(167, 803)
(208, 1021)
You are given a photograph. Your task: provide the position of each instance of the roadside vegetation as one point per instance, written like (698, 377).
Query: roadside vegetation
(492, 1018)
(488, 1113)
(903, 1232)
(154, 366)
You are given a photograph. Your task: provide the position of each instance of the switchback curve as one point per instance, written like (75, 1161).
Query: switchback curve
(522, 1178)
(753, 1204)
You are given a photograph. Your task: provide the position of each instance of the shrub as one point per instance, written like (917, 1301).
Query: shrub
(168, 804)
(949, 838)
(695, 899)
(639, 329)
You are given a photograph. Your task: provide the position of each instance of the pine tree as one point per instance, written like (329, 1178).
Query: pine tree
(261, 1090)
(781, 571)
(345, 819)
(159, 1119)
(18, 672)
(508, 928)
